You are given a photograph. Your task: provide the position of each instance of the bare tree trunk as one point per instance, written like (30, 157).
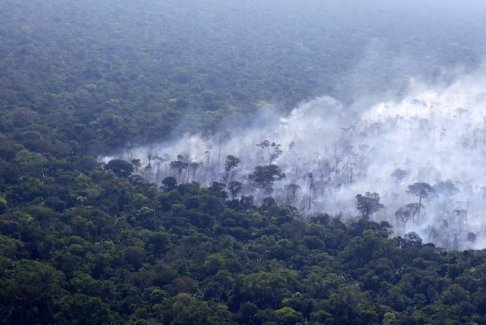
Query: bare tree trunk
(420, 205)
(219, 157)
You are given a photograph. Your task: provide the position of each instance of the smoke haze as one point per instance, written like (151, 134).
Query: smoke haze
(331, 152)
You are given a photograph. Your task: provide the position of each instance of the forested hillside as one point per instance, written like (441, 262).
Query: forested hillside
(82, 242)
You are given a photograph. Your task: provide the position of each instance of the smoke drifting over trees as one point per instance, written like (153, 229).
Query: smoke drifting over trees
(264, 162)
(416, 162)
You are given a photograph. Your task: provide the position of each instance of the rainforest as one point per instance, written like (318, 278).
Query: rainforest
(242, 162)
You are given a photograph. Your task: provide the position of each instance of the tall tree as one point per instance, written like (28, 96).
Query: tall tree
(230, 164)
(272, 150)
(179, 166)
(234, 187)
(368, 204)
(407, 212)
(265, 176)
(422, 190)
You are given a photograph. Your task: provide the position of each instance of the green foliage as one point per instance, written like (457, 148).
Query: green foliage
(119, 167)
(265, 176)
(31, 162)
(189, 310)
(3, 204)
(82, 244)
(368, 204)
(288, 316)
(169, 183)
(30, 291)
(184, 254)
(81, 309)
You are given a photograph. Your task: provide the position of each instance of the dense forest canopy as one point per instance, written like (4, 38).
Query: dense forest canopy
(91, 241)
(95, 63)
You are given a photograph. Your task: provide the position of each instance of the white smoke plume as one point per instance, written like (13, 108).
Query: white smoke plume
(331, 153)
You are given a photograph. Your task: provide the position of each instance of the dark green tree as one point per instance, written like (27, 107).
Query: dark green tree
(368, 204)
(120, 167)
(265, 176)
(422, 190)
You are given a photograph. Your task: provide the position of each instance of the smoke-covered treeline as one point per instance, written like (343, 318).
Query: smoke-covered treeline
(215, 87)
(423, 154)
